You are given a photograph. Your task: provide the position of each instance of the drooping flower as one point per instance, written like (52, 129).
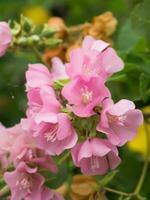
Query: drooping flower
(54, 138)
(24, 182)
(5, 37)
(25, 150)
(8, 137)
(95, 156)
(94, 59)
(85, 94)
(120, 121)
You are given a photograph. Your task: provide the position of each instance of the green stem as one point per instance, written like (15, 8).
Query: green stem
(117, 192)
(4, 191)
(144, 170)
(38, 55)
(64, 158)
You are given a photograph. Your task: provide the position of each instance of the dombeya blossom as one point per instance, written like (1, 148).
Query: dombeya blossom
(8, 137)
(119, 121)
(24, 182)
(25, 149)
(95, 156)
(38, 75)
(84, 94)
(54, 138)
(42, 105)
(94, 59)
(5, 37)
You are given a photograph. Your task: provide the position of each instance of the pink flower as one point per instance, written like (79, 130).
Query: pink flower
(85, 94)
(24, 182)
(38, 76)
(8, 137)
(54, 138)
(24, 149)
(95, 58)
(5, 37)
(120, 121)
(95, 156)
(58, 70)
(48, 194)
(43, 105)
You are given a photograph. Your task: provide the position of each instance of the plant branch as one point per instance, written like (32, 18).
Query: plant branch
(38, 55)
(144, 170)
(117, 191)
(64, 158)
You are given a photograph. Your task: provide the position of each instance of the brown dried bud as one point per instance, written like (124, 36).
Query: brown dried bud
(63, 189)
(102, 26)
(58, 24)
(85, 188)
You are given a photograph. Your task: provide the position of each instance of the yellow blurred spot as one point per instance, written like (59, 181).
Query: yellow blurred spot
(139, 144)
(37, 14)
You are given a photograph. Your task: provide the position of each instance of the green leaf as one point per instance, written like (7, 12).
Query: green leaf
(144, 86)
(59, 84)
(127, 37)
(119, 77)
(140, 17)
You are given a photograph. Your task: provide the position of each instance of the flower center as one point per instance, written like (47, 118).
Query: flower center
(94, 163)
(116, 119)
(89, 70)
(25, 183)
(52, 135)
(86, 95)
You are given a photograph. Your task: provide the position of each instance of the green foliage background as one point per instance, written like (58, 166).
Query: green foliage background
(131, 40)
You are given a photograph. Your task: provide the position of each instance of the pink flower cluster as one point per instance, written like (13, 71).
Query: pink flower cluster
(52, 120)
(5, 37)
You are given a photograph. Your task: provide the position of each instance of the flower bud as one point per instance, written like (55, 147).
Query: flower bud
(26, 24)
(48, 31)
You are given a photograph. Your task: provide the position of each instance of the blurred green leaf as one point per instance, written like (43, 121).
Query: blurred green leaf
(145, 86)
(127, 37)
(141, 18)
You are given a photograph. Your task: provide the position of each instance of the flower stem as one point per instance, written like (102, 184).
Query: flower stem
(117, 192)
(38, 55)
(64, 158)
(144, 170)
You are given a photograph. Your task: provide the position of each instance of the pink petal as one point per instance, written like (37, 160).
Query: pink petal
(99, 45)
(111, 61)
(85, 150)
(76, 63)
(87, 42)
(71, 92)
(99, 147)
(58, 69)
(121, 107)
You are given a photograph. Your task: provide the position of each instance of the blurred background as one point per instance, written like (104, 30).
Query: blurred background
(132, 41)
